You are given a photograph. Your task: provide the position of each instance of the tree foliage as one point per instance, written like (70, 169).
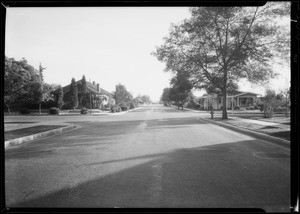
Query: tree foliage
(22, 83)
(84, 97)
(181, 87)
(122, 96)
(73, 94)
(60, 100)
(146, 99)
(165, 97)
(218, 46)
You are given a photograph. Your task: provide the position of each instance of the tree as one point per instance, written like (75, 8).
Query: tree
(73, 94)
(287, 97)
(47, 89)
(122, 96)
(22, 83)
(146, 99)
(60, 100)
(40, 86)
(41, 70)
(83, 98)
(218, 46)
(165, 97)
(13, 82)
(181, 88)
(270, 102)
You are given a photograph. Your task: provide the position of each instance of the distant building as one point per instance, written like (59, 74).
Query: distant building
(92, 97)
(239, 99)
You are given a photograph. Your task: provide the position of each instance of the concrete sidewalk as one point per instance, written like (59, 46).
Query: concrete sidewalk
(260, 129)
(12, 125)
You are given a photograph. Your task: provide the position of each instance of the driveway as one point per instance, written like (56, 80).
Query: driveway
(151, 157)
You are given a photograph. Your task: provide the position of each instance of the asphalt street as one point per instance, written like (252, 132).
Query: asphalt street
(151, 157)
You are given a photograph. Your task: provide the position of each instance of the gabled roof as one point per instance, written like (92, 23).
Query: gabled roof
(90, 88)
(240, 93)
(104, 92)
(232, 94)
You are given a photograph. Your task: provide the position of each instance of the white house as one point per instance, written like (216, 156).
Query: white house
(237, 99)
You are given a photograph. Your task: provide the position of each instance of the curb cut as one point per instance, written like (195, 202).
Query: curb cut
(28, 138)
(248, 132)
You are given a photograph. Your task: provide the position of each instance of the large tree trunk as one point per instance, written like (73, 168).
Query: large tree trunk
(224, 110)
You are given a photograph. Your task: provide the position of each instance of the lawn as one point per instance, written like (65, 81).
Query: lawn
(280, 130)
(29, 131)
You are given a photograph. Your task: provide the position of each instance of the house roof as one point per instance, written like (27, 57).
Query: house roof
(104, 92)
(90, 88)
(232, 94)
(240, 93)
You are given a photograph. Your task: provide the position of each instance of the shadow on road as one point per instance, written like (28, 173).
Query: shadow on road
(210, 176)
(93, 134)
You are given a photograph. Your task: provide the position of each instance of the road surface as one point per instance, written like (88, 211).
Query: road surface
(151, 157)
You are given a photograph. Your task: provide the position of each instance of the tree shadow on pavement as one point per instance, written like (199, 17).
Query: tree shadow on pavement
(94, 134)
(217, 176)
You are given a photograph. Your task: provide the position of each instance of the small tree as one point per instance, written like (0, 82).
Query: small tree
(269, 103)
(73, 94)
(60, 101)
(121, 95)
(84, 92)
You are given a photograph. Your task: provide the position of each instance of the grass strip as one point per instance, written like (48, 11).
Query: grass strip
(29, 131)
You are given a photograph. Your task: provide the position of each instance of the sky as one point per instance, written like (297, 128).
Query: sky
(107, 45)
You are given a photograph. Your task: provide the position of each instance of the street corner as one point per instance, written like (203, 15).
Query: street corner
(31, 137)
(241, 129)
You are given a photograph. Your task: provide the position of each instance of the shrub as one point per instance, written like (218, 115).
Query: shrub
(131, 106)
(268, 111)
(54, 110)
(124, 108)
(83, 111)
(24, 111)
(236, 108)
(115, 108)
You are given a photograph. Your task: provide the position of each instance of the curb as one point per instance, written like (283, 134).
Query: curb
(248, 132)
(28, 138)
(118, 113)
(123, 112)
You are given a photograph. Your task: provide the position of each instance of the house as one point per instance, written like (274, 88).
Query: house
(91, 99)
(239, 99)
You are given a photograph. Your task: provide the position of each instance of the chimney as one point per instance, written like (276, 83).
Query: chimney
(98, 87)
(93, 82)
